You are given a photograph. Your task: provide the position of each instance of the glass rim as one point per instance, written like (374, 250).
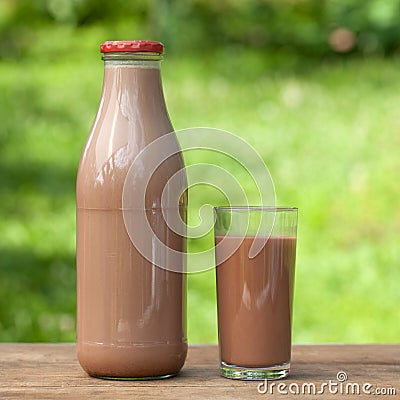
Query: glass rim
(255, 208)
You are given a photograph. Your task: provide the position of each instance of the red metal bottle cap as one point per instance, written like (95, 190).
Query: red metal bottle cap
(132, 46)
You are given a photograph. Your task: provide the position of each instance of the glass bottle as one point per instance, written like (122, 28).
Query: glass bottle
(131, 312)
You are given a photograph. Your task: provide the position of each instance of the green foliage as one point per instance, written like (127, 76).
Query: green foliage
(328, 131)
(199, 25)
(329, 135)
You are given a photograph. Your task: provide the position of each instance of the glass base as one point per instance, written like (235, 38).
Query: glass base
(144, 378)
(254, 374)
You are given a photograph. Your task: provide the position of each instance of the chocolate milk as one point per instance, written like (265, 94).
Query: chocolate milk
(255, 301)
(131, 314)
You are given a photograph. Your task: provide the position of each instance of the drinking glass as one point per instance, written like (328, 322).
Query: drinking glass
(255, 251)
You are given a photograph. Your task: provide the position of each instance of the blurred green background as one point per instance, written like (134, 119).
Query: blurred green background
(314, 85)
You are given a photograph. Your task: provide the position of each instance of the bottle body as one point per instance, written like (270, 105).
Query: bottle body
(131, 314)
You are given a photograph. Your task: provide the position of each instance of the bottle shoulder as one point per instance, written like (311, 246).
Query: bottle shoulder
(108, 158)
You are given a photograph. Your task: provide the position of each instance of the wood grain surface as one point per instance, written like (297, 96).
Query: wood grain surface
(51, 371)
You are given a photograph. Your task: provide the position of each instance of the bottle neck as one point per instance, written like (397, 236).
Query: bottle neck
(134, 70)
(133, 94)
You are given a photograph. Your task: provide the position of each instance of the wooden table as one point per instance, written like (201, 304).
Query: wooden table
(51, 371)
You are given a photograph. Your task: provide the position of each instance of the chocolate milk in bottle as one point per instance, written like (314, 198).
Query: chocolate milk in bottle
(131, 313)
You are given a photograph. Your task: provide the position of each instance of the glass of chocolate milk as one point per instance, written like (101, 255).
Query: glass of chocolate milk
(255, 251)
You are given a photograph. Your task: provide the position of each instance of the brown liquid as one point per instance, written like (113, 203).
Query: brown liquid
(255, 302)
(130, 313)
